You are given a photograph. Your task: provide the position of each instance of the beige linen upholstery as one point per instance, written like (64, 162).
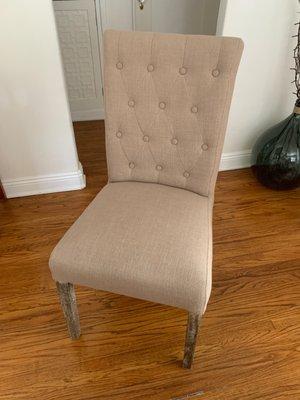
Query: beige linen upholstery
(147, 234)
(167, 99)
(143, 240)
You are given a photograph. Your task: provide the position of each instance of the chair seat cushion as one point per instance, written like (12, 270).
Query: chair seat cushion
(143, 240)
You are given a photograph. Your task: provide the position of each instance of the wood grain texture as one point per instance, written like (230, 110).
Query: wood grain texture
(2, 193)
(69, 307)
(247, 348)
(190, 340)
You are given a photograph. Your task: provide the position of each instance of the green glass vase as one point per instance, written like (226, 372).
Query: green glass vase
(276, 154)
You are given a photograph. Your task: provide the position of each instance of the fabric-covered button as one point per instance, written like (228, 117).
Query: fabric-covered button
(162, 105)
(131, 165)
(119, 65)
(159, 168)
(174, 141)
(204, 146)
(119, 134)
(131, 103)
(146, 138)
(215, 72)
(186, 174)
(150, 68)
(182, 70)
(194, 109)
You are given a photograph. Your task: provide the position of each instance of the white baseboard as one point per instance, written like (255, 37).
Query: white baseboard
(76, 180)
(87, 115)
(44, 184)
(235, 160)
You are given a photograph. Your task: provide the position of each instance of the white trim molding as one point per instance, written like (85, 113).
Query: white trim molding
(76, 180)
(235, 160)
(44, 184)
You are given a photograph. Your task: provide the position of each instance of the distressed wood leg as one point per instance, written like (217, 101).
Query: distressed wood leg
(68, 303)
(190, 340)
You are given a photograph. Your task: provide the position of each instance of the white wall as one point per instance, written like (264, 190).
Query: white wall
(37, 147)
(263, 93)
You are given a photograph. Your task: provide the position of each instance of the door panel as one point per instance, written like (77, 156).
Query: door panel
(195, 17)
(78, 37)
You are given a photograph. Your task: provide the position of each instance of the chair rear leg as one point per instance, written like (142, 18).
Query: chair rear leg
(68, 303)
(190, 340)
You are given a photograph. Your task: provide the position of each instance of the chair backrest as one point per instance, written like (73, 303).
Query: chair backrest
(167, 99)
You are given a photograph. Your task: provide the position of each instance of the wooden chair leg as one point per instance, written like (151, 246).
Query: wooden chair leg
(190, 340)
(68, 303)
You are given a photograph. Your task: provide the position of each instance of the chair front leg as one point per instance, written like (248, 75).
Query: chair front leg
(68, 303)
(190, 340)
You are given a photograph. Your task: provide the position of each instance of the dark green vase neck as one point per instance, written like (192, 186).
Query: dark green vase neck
(296, 110)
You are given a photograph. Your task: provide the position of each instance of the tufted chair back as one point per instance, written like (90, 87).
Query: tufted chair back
(167, 98)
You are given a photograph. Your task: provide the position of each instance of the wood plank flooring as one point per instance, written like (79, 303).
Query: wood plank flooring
(248, 346)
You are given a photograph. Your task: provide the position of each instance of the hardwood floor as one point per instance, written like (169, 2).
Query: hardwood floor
(132, 349)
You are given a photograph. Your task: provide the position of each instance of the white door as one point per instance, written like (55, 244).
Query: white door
(198, 17)
(79, 43)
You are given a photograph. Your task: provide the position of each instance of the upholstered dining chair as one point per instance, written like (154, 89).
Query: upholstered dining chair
(148, 233)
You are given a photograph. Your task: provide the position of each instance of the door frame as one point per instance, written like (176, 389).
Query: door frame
(100, 7)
